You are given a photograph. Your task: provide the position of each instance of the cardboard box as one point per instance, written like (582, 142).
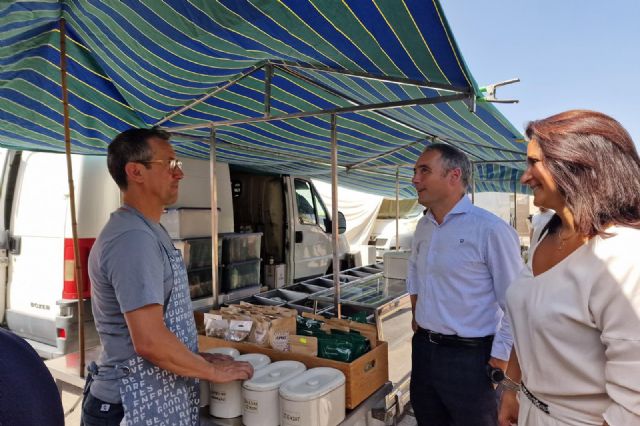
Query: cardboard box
(274, 275)
(364, 376)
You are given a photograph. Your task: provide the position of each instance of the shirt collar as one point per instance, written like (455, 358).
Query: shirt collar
(463, 206)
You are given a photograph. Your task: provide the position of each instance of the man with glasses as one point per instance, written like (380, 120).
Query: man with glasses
(149, 365)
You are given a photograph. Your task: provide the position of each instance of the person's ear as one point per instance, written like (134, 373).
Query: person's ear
(455, 175)
(134, 172)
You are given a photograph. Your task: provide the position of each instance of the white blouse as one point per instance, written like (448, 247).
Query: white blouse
(577, 331)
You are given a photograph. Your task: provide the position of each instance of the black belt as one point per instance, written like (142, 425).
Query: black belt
(452, 339)
(534, 400)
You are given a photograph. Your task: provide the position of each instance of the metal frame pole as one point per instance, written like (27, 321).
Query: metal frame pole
(331, 111)
(334, 215)
(397, 208)
(268, 75)
(214, 218)
(72, 196)
(211, 94)
(515, 207)
(473, 183)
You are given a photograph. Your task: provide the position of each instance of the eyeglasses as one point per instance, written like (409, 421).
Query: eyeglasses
(174, 164)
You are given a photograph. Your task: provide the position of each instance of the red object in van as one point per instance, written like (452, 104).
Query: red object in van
(70, 290)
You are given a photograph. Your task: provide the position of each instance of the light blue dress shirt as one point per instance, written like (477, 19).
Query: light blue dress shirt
(461, 270)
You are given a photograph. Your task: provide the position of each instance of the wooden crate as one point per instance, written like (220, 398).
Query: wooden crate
(364, 376)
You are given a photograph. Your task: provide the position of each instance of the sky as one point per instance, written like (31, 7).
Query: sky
(567, 53)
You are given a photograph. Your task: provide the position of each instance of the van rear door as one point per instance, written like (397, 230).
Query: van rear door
(37, 232)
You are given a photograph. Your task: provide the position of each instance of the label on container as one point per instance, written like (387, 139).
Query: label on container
(218, 396)
(250, 405)
(290, 417)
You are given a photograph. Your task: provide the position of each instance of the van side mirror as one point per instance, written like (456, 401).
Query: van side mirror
(342, 224)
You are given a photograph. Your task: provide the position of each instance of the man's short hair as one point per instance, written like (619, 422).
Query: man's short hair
(130, 145)
(453, 158)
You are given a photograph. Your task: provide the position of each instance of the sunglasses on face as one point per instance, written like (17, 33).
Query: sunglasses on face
(174, 164)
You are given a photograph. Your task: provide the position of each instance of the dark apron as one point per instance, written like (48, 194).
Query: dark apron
(151, 395)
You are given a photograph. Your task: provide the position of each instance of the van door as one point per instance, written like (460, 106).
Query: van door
(4, 226)
(313, 247)
(41, 291)
(37, 234)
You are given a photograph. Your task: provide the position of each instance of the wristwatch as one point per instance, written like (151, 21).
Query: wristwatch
(499, 378)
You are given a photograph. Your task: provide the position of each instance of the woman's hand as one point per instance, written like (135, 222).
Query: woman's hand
(509, 406)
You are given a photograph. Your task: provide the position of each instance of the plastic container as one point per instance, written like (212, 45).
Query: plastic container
(238, 247)
(204, 384)
(185, 222)
(314, 398)
(261, 401)
(256, 301)
(239, 275)
(226, 398)
(307, 305)
(281, 295)
(341, 277)
(199, 282)
(196, 252)
(320, 282)
(306, 288)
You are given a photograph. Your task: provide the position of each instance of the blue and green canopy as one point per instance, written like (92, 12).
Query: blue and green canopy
(266, 74)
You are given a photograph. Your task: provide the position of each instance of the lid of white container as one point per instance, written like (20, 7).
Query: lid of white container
(256, 360)
(232, 352)
(312, 384)
(273, 375)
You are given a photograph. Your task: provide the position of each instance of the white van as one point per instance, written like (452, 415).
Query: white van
(37, 286)
(383, 234)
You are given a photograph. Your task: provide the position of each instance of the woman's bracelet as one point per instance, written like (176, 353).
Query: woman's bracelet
(508, 384)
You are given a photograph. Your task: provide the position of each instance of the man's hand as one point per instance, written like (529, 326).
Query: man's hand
(215, 357)
(414, 324)
(225, 371)
(509, 406)
(498, 363)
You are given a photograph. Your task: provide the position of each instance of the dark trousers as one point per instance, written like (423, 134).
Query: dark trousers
(450, 385)
(96, 412)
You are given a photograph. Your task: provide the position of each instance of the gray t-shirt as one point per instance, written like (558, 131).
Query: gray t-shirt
(129, 269)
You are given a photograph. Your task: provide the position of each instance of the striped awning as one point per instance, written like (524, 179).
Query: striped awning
(265, 74)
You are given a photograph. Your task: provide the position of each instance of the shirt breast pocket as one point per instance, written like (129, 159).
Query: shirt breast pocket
(466, 256)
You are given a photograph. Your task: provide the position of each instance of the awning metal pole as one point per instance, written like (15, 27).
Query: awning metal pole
(268, 75)
(354, 101)
(515, 207)
(334, 215)
(211, 94)
(473, 183)
(331, 111)
(72, 196)
(214, 218)
(371, 76)
(397, 208)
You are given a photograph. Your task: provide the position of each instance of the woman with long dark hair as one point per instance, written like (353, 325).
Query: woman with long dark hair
(575, 309)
